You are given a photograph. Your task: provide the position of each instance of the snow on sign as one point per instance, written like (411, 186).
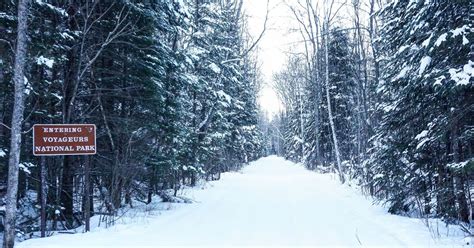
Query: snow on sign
(64, 139)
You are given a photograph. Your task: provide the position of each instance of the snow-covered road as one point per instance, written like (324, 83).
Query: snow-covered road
(272, 202)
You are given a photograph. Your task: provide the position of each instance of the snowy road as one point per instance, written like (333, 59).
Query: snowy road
(273, 202)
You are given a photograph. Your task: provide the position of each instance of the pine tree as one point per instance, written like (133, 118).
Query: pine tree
(422, 144)
(167, 83)
(342, 93)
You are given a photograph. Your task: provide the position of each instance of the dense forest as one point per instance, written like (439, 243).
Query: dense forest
(385, 98)
(170, 85)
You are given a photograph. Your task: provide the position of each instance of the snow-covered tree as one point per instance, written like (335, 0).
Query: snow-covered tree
(423, 146)
(171, 86)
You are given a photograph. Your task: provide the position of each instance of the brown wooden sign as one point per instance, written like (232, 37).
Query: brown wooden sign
(64, 139)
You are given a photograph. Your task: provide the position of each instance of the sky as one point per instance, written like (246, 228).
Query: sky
(279, 39)
(273, 45)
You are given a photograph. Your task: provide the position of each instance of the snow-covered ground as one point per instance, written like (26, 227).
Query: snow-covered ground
(272, 202)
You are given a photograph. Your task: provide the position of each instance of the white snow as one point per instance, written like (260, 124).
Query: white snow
(65, 35)
(225, 96)
(422, 142)
(195, 52)
(465, 41)
(439, 80)
(4, 15)
(45, 61)
(424, 63)
(271, 202)
(441, 39)
(422, 135)
(469, 68)
(25, 167)
(57, 96)
(463, 76)
(426, 42)
(455, 32)
(402, 48)
(298, 139)
(214, 68)
(459, 165)
(402, 73)
(377, 176)
(459, 31)
(2, 153)
(388, 108)
(28, 87)
(52, 7)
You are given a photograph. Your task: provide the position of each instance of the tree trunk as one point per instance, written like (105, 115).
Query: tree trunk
(331, 121)
(459, 181)
(463, 211)
(317, 104)
(17, 119)
(303, 140)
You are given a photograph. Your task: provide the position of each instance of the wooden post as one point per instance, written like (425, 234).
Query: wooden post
(87, 203)
(44, 195)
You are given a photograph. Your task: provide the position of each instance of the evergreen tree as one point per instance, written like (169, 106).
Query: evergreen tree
(423, 146)
(167, 83)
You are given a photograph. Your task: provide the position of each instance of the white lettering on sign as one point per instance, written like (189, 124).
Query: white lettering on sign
(62, 129)
(63, 148)
(64, 139)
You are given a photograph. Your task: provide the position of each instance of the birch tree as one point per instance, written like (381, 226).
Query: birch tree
(17, 119)
(328, 99)
(328, 17)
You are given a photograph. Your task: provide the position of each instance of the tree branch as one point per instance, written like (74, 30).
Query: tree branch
(244, 54)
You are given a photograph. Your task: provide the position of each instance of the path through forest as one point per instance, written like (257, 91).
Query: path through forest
(271, 202)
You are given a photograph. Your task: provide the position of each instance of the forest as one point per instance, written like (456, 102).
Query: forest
(379, 92)
(385, 99)
(170, 86)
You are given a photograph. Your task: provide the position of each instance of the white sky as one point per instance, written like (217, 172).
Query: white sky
(272, 46)
(278, 40)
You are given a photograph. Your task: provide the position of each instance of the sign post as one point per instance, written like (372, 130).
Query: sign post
(64, 140)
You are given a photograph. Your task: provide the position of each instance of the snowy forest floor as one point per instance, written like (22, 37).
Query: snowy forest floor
(271, 202)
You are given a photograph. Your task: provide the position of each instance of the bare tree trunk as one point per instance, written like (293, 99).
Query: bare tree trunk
(17, 119)
(372, 36)
(361, 81)
(317, 102)
(459, 177)
(310, 32)
(331, 121)
(303, 141)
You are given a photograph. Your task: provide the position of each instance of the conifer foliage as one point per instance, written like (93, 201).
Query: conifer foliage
(166, 82)
(401, 95)
(424, 141)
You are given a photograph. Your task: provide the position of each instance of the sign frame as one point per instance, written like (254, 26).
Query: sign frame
(67, 154)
